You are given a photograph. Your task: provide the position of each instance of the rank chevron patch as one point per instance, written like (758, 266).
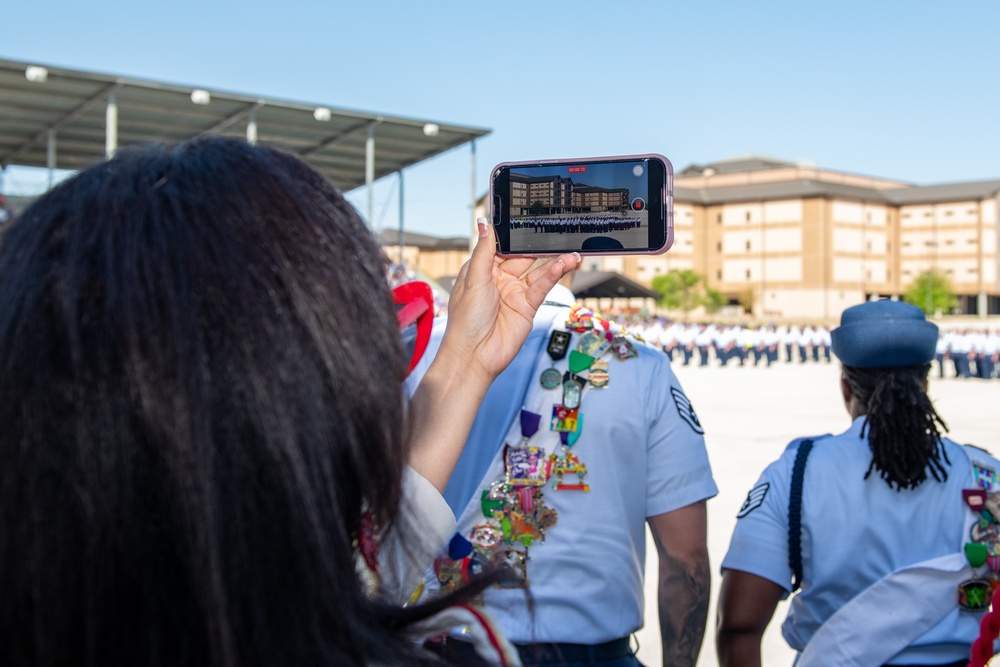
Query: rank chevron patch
(686, 411)
(754, 499)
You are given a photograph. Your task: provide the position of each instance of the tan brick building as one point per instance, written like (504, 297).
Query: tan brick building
(431, 255)
(804, 243)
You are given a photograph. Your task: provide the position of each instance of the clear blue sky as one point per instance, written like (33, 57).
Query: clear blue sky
(905, 90)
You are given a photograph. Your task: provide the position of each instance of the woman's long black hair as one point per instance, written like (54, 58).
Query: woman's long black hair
(902, 424)
(199, 400)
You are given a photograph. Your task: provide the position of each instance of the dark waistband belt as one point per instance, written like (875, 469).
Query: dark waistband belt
(556, 653)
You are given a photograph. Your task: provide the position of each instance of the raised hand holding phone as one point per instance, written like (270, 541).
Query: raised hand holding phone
(599, 206)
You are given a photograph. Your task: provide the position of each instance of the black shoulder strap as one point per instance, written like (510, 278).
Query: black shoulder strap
(795, 513)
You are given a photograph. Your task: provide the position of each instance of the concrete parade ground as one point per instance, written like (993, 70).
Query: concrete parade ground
(749, 415)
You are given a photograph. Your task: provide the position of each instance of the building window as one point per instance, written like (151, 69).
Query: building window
(748, 245)
(748, 216)
(718, 275)
(718, 218)
(748, 274)
(718, 246)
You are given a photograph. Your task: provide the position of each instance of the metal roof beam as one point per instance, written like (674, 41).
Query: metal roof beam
(225, 123)
(83, 108)
(346, 134)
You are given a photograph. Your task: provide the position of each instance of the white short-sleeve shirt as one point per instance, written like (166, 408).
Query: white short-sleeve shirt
(644, 450)
(854, 532)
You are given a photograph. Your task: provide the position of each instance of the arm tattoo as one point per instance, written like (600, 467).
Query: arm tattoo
(683, 606)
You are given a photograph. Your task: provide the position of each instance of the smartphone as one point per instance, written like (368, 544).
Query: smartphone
(617, 205)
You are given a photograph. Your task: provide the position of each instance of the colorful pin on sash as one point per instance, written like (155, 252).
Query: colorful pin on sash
(579, 362)
(974, 498)
(993, 505)
(525, 466)
(551, 378)
(974, 595)
(984, 476)
(558, 344)
(580, 319)
(594, 343)
(556, 349)
(569, 438)
(976, 553)
(623, 348)
(564, 419)
(567, 464)
(598, 377)
(572, 390)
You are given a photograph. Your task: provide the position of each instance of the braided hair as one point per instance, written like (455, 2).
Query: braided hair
(902, 424)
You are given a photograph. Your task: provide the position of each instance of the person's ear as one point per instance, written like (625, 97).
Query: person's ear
(845, 390)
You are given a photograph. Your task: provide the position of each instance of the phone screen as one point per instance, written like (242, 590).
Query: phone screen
(594, 205)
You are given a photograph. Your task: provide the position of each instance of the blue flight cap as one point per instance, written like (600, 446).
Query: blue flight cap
(884, 334)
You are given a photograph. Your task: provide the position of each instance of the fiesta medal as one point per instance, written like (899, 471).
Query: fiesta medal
(623, 348)
(568, 464)
(564, 419)
(551, 378)
(974, 595)
(594, 343)
(598, 377)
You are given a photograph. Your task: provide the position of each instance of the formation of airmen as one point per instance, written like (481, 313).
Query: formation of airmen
(961, 353)
(969, 353)
(702, 344)
(587, 224)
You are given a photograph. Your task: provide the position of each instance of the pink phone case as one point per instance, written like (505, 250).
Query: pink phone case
(667, 198)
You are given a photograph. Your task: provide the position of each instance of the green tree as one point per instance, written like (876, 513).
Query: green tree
(714, 300)
(931, 292)
(682, 289)
(537, 208)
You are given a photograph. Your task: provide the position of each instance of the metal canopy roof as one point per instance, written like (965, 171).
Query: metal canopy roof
(73, 105)
(608, 285)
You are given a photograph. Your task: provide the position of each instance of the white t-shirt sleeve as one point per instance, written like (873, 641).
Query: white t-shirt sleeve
(425, 525)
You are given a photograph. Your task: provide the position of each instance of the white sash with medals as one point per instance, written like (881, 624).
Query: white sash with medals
(866, 631)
